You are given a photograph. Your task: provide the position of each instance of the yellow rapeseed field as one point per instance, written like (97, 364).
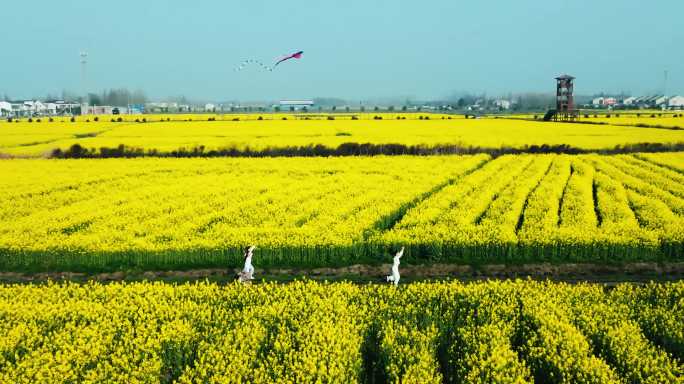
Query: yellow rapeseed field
(38, 139)
(306, 332)
(110, 214)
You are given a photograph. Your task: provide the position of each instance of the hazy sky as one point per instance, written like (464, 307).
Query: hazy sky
(353, 48)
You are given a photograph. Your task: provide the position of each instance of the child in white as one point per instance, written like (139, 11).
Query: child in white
(394, 277)
(248, 269)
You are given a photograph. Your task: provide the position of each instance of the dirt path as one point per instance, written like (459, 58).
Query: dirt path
(636, 272)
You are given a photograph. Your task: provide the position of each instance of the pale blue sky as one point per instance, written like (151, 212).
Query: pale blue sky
(354, 49)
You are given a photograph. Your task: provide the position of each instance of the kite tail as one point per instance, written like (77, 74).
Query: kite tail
(256, 62)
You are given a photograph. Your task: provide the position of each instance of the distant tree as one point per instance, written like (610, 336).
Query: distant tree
(363, 109)
(535, 101)
(276, 108)
(94, 99)
(346, 109)
(404, 108)
(390, 108)
(138, 97)
(292, 109)
(376, 108)
(334, 108)
(116, 97)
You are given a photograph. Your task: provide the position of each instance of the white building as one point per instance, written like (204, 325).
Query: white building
(20, 108)
(161, 107)
(28, 108)
(597, 101)
(676, 102)
(629, 101)
(51, 108)
(209, 107)
(62, 107)
(296, 105)
(5, 108)
(503, 104)
(661, 101)
(98, 110)
(35, 106)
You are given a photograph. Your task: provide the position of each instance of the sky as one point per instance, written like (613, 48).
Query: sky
(354, 49)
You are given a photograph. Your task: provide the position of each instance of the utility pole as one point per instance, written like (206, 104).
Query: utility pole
(84, 60)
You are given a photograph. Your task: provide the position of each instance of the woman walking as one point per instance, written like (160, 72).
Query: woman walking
(394, 277)
(248, 270)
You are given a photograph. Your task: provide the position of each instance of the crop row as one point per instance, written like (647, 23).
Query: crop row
(166, 213)
(489, 332)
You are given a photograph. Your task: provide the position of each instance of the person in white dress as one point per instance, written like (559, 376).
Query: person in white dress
(248, 269)
(394, 277)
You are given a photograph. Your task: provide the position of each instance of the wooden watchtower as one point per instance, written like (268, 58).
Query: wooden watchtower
(565, 100)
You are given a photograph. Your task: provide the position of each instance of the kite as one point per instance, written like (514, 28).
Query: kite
(256, 62)
(296, 55)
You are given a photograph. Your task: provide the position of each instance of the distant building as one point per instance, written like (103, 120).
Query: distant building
(609, 101)
(135, 109)
(210, 107)
(50, 108)
(296, 104)
(652, 101)
(27, 108)
(99, 110)
(34, 107)
(58, 107)
(676, 102)
(661, 101)
(5, 109)
(597, 102)
(629, 101)
(65, 107)
(161, 107)
(649, 101)
(502, 104)
(639, 101)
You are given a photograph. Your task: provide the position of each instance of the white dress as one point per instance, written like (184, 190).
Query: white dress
(394, 277)
(248, 269)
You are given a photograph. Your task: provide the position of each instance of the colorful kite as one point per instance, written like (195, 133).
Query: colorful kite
(296, 55)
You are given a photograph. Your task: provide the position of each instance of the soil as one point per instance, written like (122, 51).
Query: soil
(600, 273)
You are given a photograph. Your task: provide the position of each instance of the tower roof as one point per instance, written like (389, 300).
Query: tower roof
(565, 77)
